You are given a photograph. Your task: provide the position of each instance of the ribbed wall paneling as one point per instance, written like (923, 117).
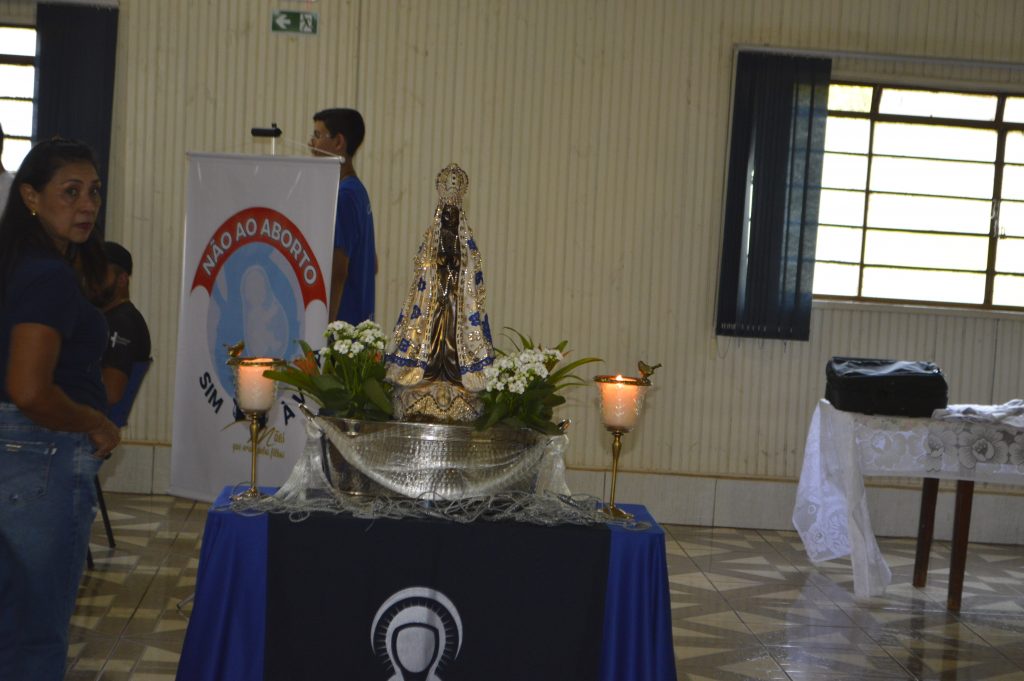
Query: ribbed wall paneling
(594, 133)
(1009, 358)
(196, 76)
(18, 12)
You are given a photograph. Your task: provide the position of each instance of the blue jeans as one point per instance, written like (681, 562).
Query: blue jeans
(47, 505)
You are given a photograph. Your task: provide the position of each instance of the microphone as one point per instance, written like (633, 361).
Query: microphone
(338, 157)
(272, 131)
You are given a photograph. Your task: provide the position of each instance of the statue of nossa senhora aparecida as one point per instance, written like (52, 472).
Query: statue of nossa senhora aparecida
(442, 340)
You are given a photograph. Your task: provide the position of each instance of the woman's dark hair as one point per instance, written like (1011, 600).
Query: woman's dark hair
(21, 232)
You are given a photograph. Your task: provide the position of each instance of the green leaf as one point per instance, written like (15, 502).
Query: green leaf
(328, 382)
(554, 400)
(548, 428)
(496, 415)
(292, 378)
(571, 381)
(537, 394)
(514, 422)
(525, 342)
(568, 368)
(543, 425)
(375, 392)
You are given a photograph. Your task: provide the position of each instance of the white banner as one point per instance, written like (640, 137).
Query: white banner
(259, 233)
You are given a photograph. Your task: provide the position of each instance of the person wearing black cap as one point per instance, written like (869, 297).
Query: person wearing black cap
(129, 334)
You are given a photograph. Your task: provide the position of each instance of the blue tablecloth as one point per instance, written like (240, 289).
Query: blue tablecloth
(225, 637)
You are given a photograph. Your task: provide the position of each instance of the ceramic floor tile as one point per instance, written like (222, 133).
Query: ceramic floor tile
(818, 636)
(80, 675)
(727, 664)
(1013, 652)
(861, 661)
(690, 602)
(995, 629)
(950, 641)
(927, 633)
(940, 666)
(819, 675)
(792, 593)
(772, 619)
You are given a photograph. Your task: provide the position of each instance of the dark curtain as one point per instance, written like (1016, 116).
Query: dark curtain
(75, 86)
(772, 194)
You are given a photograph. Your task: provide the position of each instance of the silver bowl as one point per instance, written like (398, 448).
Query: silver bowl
(429, 461)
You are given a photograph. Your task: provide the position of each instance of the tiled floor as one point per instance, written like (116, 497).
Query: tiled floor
(126, 624)
(747, 604)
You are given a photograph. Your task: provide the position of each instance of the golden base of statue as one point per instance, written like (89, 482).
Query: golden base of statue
(436, 402)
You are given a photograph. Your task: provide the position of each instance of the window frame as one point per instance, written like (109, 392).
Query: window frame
(22, 60)
(874, 117)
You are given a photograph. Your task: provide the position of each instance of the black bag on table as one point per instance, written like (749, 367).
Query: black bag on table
(885, 386)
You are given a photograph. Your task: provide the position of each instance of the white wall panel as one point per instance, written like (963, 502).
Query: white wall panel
(196, 75)
(594, 133)
(17, 12)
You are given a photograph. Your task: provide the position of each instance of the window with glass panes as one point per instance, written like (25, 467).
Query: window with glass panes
(17, 92)
(922, 197)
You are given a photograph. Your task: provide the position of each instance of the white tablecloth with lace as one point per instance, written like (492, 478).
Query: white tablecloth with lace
(966, 442)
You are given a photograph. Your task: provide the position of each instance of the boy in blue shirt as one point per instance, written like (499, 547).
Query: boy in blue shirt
(338, 133)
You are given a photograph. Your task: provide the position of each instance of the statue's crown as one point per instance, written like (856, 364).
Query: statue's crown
(452, 183)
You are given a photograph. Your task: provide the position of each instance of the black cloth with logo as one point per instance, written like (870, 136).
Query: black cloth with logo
(346, 597)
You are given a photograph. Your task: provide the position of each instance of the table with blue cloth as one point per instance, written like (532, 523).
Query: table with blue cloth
(227, 636)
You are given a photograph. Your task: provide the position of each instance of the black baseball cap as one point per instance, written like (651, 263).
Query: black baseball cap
(118, 255)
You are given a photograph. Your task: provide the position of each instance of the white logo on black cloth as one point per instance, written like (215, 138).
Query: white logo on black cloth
(416, 633)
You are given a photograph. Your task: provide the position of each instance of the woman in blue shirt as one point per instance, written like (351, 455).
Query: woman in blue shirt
(54, 433)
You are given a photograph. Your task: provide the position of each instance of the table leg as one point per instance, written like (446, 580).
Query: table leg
(961, 529)
(925, 530)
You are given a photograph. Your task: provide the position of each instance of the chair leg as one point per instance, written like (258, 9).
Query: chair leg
(103, 512)
(88, 559)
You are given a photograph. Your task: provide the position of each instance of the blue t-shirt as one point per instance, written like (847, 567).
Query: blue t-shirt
(43, 289)
(353, 233)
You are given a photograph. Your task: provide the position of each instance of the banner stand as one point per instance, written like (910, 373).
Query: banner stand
(259, 235)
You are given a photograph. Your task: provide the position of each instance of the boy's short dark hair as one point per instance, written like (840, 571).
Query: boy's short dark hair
(348, 122)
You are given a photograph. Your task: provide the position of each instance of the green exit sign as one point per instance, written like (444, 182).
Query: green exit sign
(286, 21)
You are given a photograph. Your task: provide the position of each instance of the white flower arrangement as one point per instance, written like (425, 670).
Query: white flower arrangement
(516, 371)
(346, 340)
(522, 386)
(346, 376)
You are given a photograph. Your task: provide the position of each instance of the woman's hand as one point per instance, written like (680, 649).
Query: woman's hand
(105, 436)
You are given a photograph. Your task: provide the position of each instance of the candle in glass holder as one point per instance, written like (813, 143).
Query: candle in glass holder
(255, 391)
(621, 400)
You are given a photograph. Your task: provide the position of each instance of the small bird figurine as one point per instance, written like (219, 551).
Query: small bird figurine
(236, 349)
(646, 370)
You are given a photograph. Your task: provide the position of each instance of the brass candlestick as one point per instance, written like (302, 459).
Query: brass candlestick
(253, 493)
(621, 401)
(255, 394)
(611, 510)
